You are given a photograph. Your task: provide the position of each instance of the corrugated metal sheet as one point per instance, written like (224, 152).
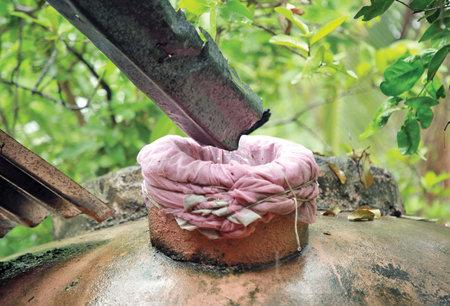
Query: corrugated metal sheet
(31, 189)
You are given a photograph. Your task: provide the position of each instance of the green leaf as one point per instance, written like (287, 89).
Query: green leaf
(434, 29)
(208, 22)
(341, 68)
(425, 116)
(128, 114)
(197, 7)
(441, 92)
(433, 16)
(289, 41)
(28, 17)
(382, 116)
(52, 17)
(118, 154)
(60, 45)
(294, 19)
(401, 77)
(408, 138)
(423, 112)
(424, 102)
(237, 8)
(74, 151)
(436, 62)
(426, 56)
(327, 29)
(418, 5)
(377, 8)
(440, 40)
(436, 89)
(311, 66)
(325, 55)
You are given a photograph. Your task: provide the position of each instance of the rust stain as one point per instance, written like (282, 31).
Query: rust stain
(31, 189)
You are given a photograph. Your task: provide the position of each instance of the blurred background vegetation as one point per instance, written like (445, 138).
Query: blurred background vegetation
(64, 100)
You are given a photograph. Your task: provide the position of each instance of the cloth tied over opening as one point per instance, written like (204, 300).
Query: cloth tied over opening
(224, 194)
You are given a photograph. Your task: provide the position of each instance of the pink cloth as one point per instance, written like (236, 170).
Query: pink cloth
(175, 168)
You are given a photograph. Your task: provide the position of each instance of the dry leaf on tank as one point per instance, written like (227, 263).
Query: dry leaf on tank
(333, 212)
(360, 215)
(375, 211)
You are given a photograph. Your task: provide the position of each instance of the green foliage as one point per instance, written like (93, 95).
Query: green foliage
(321, 84)
(21, 238)
(402, 76)
(206, 13)
(382, 116)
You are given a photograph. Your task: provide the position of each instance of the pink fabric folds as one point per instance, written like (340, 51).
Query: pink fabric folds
(223, 194)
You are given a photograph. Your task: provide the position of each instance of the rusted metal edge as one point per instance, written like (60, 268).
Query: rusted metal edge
(31, 189)
(162, 54)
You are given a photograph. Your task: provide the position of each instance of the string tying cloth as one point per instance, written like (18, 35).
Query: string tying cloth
(224, 194)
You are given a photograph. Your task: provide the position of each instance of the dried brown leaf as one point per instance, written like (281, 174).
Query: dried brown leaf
(355, 155)
(329, 213)
(318, 153)
(340, 174)
(367, 176)
(375, 211)
(360, 215)
(333, 212)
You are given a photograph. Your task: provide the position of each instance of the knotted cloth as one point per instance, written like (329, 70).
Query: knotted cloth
(224, 194)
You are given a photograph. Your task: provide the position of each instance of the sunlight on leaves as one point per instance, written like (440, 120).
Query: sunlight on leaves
(327, 29)
(294, 19)
(286, 40)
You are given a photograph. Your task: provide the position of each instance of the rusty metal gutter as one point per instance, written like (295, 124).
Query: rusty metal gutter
(162, 54)
(31, 189)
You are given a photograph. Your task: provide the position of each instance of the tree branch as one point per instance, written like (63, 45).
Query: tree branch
(103, 83)
(404, 4)
(71, 99)
(43, 95)
(424, 10)
(16, 72)
(92, 70)
(5, 122)
(47, 66)
(431, 9)
(28, 9)
(326, 145)
(60, 38)
(406, 23)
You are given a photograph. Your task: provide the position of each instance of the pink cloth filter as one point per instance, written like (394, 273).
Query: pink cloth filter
(224, 194)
